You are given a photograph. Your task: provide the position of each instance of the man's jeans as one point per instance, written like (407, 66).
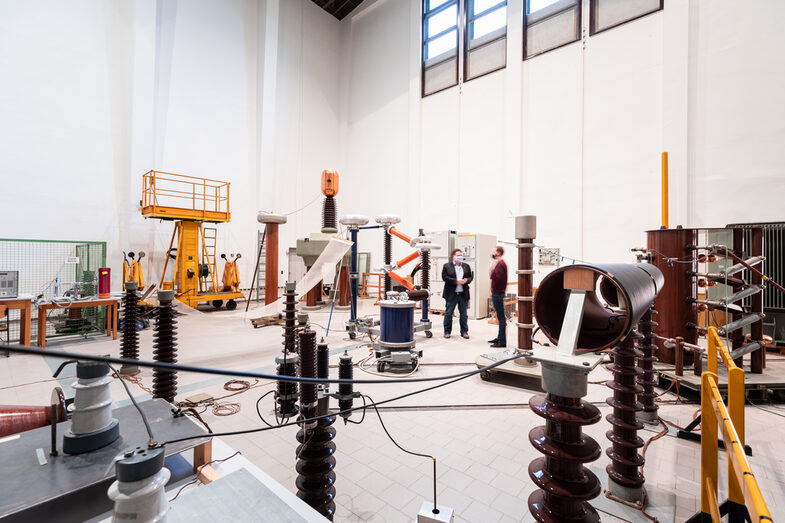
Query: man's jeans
(460, 301)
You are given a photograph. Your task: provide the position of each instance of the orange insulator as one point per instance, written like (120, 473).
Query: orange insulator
(409, 258)
(401, 281)
(399, 234)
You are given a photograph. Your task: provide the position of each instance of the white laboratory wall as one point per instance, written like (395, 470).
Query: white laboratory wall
(96, 93)
(574, 135)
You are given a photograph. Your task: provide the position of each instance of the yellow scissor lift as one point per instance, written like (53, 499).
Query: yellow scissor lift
(189, 202)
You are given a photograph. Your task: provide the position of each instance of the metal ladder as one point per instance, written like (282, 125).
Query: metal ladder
(210, 242)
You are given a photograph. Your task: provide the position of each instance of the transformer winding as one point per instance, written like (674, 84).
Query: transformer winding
(165, 347)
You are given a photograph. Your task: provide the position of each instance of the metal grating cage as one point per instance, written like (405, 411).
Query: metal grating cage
(54, 268)
(774, 252)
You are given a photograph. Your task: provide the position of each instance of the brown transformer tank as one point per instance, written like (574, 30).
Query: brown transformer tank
(675, 311)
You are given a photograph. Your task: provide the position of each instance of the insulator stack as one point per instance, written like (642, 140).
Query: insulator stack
(286, 395)
(165, 347)
(525, 232)
(648, 380)
(315, 475)
(315, 454)
(322, 360)
(289, 316)
(329, 213)
(626, 480)
(129, 345)
(425, 269)
(345, 390)
(566, 484)
(308, 368)
(387, 260)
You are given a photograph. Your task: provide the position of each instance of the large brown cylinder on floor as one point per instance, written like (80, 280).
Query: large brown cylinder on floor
(314, 295)
(344, 294)
(271, 263)
(672, 304)
(271, 222)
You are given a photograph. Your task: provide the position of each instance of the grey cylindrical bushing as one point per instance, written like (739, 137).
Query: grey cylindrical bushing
(525, 227)
(268, 217)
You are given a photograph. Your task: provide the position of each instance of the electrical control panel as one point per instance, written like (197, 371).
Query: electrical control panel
(549, 256)
(9, 284)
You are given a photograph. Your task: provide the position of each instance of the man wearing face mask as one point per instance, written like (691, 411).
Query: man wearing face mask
(498, 272)
(457, 276)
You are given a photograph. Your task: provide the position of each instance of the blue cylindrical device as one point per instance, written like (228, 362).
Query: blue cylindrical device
(397, 323)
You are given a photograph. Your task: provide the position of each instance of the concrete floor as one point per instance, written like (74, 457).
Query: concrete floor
(477, 430)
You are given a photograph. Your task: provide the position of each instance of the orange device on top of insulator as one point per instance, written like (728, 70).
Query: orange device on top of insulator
(329, 182)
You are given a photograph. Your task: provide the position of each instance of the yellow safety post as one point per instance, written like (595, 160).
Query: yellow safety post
(665, 189)
(709, 468)
(712, 351)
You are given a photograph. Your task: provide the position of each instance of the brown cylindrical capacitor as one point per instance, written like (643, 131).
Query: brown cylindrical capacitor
(675, 311)
(525, 232)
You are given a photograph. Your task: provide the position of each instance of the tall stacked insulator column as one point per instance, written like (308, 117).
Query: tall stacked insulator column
(566, 484)
(129, 344)
(387, 220)
(425, 278)
(271, 222)
(625, 479)
(165, 347)
(525, 232)
(647, 380)
(315, 455)
(286, 394)
(569, 311)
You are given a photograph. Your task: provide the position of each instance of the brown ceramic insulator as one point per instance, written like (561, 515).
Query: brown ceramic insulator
(387, 261)
(314, 295)
(647, 380)
(315, 463)
(129, 344)
(566, 484)
(329, 213)
(308, 366)
(625, 460)
(289, 317)
(525, 289)
(675, 311)
(165, 350)
(425, 269)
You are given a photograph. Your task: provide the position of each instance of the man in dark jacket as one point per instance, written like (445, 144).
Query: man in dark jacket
(498, 270)
(456, 276)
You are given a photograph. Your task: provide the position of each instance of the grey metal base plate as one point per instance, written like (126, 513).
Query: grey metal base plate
(525, 376)
(662, 503)
(238, 496)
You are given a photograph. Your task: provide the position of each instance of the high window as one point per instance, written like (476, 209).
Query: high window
(549, 24)
(610, 13)
(476, 28)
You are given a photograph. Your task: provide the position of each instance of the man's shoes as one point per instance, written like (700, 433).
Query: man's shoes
(494, 340)
(446, 335)
(497, 345)
(465, 336)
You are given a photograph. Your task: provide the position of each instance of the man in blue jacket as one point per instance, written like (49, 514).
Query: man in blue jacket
(457, 276)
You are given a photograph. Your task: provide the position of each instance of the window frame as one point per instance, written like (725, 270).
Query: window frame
(483, 41)
(424, 66)
(593, 11)
(577, 5)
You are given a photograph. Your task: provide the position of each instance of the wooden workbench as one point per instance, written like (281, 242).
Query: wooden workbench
(111, 305)
(25, 316)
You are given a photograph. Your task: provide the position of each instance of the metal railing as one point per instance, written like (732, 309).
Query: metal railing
(162, 191)
(743, 489)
